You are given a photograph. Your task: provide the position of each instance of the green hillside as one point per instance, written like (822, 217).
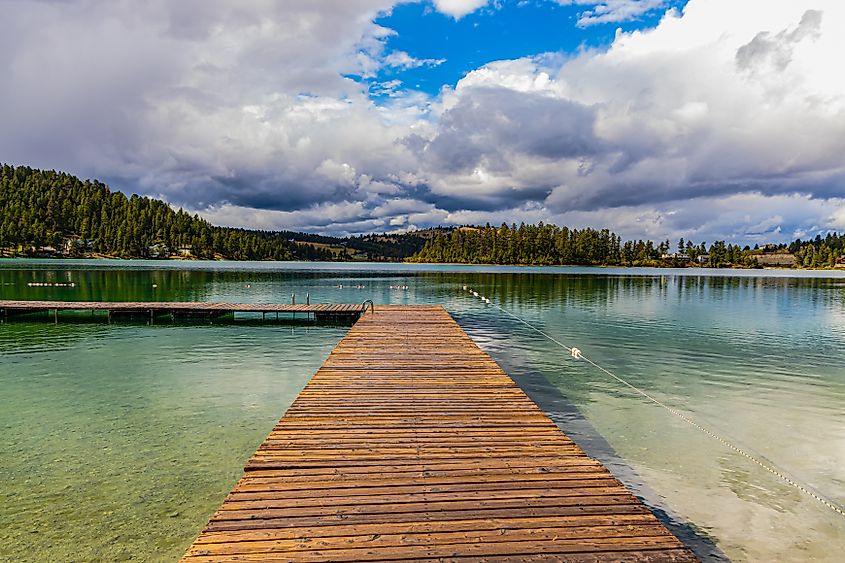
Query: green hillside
(49, 213)
(44, 212)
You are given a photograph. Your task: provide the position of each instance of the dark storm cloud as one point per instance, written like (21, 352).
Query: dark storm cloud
(492, 123)
(263, 192)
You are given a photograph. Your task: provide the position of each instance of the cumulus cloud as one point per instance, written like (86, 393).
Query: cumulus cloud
(776, 51)
(720, 100)
(342, 218)
(611, 11)
(726, 119)
(202, 102)
(459, 8)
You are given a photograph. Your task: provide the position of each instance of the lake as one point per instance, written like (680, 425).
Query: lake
(120, 440)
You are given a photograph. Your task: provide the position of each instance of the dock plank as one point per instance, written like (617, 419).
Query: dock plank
(184, 308)
(412, 444)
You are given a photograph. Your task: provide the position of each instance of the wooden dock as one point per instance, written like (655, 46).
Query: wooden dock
(410, 443)
(171, 309)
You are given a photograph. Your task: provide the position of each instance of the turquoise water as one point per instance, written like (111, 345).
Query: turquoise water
(119, 441)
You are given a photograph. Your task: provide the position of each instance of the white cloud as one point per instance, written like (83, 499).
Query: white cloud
(687, 110)
(459, 8)
(341, 218)
(202, 102)
(404, 61)
(727, 120)
(611, 11)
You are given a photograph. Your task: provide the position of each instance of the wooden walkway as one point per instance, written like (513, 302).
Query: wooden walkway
(410, 443)
(159, 308)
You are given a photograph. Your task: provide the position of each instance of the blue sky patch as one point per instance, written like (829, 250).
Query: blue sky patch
(447, 49)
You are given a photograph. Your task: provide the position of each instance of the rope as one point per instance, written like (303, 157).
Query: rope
(576, 353)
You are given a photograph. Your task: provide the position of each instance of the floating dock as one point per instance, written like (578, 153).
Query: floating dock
(411, 444)
(179, 310)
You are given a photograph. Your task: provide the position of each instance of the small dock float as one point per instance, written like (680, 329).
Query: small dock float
(411, 444)
(183, 310)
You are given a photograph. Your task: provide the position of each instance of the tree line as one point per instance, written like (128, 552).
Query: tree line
(527, 244)
(53, 210)
(818, 252)
(546, 244)
(49, 209)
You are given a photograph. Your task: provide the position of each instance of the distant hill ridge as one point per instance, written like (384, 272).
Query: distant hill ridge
(50, 213)
(45, 212)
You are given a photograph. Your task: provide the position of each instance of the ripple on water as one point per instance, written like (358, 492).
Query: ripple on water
(120, 440)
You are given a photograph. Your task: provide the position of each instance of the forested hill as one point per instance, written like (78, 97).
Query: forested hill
(531, 244)
(48, 213)
(55, 211)
(552, 245)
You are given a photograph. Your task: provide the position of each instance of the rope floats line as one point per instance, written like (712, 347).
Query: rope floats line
(577, 354)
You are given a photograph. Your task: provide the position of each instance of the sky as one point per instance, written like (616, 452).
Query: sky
(707, 119)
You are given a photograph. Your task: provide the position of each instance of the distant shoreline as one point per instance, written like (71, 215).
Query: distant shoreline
(601, 266)
(652, 266)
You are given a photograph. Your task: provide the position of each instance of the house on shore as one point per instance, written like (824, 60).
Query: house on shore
(676, 256)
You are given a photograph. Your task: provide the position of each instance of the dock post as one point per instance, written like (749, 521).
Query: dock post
(307, 298)
(56, 316)
(152, 318)
(293, 298)
(108, 316)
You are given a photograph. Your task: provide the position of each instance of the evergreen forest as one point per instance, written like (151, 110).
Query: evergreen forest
(50, 213)
(544, 244)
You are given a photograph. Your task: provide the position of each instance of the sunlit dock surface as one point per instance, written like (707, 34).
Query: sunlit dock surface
(411, 443)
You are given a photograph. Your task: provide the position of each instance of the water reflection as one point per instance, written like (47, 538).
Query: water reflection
(753, 355)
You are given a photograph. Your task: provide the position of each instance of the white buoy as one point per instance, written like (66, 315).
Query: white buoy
(575, 353)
